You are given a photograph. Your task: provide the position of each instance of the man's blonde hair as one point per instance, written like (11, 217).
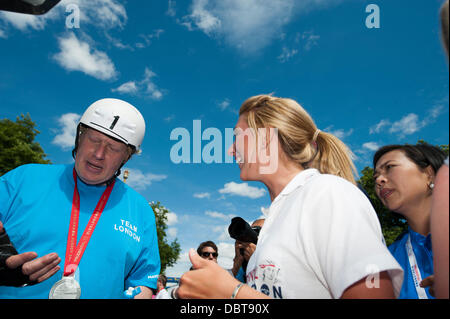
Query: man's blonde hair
(296, 131)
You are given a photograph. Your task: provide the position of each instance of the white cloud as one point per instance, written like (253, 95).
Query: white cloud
(218, 215)
(203, 18)
(106, 14)
(145, 86)
(77, 55)
(379, 126)
(172, 218)
(372, 146)
(23, 22)
(250, 25)
(224, 104)
(243, 190)
(68, 126)
(169, 118)
(409, 123)
(171, 10)
(202, 195)
(139, 180)
(247, 25)
(172, 232)
(306, 41)
(150, 87)
(222, 230)
(287, 54)
(311, 40)
(128, 87)
(339, 133)
(226, 255)
(148, 38)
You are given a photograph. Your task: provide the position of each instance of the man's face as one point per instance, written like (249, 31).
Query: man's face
(209, 253)
(98, 157)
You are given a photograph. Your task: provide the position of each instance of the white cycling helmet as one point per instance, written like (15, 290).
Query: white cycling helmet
(117, 119)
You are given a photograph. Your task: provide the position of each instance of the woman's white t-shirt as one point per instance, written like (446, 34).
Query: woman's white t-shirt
(321, 236)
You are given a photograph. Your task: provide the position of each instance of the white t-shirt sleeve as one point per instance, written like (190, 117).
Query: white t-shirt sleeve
(343, 237)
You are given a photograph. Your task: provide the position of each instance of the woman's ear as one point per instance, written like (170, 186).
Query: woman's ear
(431, 175)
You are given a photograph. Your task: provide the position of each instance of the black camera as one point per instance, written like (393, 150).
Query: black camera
(240, 230)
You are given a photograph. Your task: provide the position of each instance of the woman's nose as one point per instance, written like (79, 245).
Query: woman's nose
(380, 180)
(232, 150)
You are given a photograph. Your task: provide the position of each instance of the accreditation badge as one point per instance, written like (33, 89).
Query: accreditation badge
(66, 288)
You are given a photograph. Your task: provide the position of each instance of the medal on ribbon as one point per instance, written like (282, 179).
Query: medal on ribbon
(68, 287)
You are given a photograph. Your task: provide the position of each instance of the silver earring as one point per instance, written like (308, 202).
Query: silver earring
(431, 185)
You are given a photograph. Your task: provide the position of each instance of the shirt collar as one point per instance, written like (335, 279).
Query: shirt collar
(299, 180)
(419, 238)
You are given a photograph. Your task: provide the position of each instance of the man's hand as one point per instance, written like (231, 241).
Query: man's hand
(207, 280)
(210, 281)
(35, 269)
(428, 282)
(248, 249)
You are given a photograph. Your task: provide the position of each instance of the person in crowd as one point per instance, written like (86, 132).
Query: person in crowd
(439, 205)
(103, 231)
(208, 250)
(322, 237)
(242, 253)
(439, 231)
(404, 180)
(161, 288)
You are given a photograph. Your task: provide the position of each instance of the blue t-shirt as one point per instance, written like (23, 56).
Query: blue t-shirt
(35, 209)
(422, 250)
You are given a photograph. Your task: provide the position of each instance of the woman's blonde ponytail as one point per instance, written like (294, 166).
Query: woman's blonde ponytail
(298, 135)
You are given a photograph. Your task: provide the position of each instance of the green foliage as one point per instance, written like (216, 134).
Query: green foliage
(443, 147)
(168, 252)
(392, 224)
(17, 144)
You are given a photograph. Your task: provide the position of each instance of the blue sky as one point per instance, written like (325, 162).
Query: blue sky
(180, 61)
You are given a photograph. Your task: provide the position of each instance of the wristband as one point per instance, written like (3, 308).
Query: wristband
(236, 290)
(173, 293)
(131, 292)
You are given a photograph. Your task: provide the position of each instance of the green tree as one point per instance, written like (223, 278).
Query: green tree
(17, 144)
(168, 252)
(392, 224)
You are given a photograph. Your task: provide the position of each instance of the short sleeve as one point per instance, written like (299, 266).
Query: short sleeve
(344, 236)
(146, 269)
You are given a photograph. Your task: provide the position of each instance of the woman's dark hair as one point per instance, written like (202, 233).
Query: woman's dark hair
(422, 154)
(207, 244)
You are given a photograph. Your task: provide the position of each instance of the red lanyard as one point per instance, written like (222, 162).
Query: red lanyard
(74, 252)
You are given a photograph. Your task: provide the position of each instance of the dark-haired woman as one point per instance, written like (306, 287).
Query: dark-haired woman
(404, 180)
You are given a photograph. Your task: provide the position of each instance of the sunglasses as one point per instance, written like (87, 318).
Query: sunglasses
(206, 254)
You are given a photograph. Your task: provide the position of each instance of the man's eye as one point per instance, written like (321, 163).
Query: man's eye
(114, 149)
(94, 140)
